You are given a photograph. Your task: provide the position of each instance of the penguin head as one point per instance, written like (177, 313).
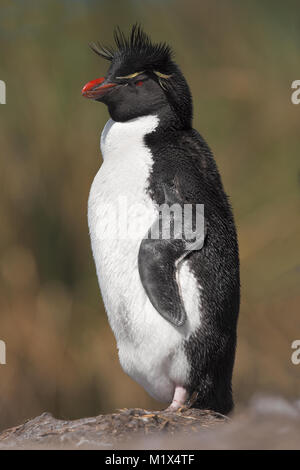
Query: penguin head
(142, 80)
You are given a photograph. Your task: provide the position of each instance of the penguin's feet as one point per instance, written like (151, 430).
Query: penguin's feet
(179, 399)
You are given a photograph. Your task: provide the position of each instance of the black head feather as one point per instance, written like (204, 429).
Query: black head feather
(136, 53)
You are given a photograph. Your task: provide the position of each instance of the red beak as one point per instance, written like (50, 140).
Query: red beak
(95, 89)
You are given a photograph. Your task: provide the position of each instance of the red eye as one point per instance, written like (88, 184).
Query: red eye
(139, 83)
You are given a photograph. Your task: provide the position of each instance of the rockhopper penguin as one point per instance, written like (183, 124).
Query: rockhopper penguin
(173, 308)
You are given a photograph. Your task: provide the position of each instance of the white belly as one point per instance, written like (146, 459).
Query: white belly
(151, 350)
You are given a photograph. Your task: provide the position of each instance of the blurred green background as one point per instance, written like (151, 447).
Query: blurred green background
(240, 59)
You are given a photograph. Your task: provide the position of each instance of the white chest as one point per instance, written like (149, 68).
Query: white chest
(120, 212)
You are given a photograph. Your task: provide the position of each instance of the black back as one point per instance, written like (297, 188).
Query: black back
(182, 158)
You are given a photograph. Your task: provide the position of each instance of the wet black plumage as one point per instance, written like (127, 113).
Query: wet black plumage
(184, 160)
(137, 52)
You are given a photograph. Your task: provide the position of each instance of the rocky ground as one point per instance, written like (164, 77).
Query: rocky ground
(268, 423)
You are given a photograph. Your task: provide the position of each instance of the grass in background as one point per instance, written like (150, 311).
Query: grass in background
(240, 60)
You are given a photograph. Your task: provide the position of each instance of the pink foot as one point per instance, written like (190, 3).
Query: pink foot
(180, 396)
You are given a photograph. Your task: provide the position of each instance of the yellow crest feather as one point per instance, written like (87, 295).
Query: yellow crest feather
(132, 75)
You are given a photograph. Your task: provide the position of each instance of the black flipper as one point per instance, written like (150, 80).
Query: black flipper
(160, 253)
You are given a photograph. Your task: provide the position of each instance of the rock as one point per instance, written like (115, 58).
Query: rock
(266, 423)
(106, 431)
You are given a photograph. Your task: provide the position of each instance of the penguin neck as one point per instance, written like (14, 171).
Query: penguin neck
(152, 127)
(171, 120)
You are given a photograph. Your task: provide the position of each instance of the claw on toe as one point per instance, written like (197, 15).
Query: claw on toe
(182, 408)
(176, 409)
